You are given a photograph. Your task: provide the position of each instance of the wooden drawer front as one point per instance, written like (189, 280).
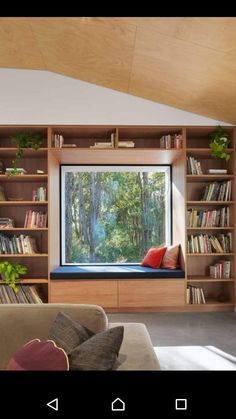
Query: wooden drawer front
(103, 293)
(151, 293)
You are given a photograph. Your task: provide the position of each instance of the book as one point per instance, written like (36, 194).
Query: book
(217, 171)
(127, 144)
(19, 170)
(68, 145)
(6, 223)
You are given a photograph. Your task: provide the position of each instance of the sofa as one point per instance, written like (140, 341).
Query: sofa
(20, 323)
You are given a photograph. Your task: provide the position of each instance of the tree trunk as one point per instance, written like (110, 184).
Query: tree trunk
(95, 201)
(143, 182)
(68, 215)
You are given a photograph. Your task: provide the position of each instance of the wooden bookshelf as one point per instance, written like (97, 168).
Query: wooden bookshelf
(18, 191)
(186, 192)
(218, 292)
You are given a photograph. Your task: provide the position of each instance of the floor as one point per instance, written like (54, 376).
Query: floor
(183, 329)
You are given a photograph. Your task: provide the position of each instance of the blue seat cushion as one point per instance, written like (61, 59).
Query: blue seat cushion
(114, 272)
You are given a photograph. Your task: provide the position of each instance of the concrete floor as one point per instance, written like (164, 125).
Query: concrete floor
(186, 329)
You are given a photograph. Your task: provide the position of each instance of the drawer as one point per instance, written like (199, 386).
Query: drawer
(153, 293)
(102, 293)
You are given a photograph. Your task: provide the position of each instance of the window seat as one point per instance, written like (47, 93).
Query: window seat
(114, 272)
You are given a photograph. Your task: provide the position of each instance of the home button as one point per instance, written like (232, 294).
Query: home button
(118, 405)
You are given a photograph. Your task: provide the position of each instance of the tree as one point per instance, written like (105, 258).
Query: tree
(68, 215)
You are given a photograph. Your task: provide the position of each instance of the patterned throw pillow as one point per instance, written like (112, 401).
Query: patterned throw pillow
(39, 355)
(171, 257)
(99, 353)
(68, 333)
(154, 256)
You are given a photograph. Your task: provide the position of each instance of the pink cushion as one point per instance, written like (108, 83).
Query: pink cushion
(171, 257)
(39, 356)
(154, 257)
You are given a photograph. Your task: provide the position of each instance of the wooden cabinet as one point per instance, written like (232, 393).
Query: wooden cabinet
(133, 294)
(151, 293)
(103, 293)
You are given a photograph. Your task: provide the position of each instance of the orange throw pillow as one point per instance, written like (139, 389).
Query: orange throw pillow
(171, 257)
(154, 257)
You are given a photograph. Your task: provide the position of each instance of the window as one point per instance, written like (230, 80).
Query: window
(113, 214)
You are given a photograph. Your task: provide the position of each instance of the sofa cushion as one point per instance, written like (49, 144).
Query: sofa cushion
(39, 355)
(67, 332)
(122, 272)
(98, 353)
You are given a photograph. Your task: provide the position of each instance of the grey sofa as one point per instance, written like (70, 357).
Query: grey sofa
(20, 323)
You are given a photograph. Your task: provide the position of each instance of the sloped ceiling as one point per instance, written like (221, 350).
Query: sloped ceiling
(189, 63)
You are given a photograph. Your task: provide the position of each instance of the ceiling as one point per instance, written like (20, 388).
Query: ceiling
(188, 63)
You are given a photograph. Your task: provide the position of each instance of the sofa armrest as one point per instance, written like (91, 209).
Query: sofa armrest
(136, 352)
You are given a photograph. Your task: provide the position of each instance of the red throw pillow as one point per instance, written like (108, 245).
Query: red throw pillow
(171, 257)
(39, 356)
(154, 257)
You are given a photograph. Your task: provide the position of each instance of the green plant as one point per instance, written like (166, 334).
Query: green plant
(24, 140)
(219, 143)
(11, 273)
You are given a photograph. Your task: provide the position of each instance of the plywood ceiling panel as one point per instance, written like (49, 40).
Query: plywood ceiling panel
(189, 63)
(173, 73)
(212, 32)
(96, 50)
(18, 47)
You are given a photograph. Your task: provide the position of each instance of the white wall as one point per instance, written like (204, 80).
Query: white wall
(41, 97)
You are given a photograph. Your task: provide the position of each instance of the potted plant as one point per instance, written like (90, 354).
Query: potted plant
(219, 143)
(11, 273)
(24, 140)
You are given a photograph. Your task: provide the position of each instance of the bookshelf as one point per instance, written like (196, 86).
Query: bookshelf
(18, 191)
(187, 188)
(209, 220)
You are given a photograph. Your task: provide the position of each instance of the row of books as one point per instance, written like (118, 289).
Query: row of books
(171, 141)
(204, 243)
(203, 218)
(35, 219)
(25, 295)
(39, 194)
(220, 269)
(195, 295)
(6, 222)
(217, 191)
(21, 244)
(193, 166)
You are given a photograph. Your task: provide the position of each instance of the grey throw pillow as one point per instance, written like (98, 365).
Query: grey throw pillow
(68, 333)
(98, 353)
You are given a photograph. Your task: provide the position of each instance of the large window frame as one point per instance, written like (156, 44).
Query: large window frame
(112, 168)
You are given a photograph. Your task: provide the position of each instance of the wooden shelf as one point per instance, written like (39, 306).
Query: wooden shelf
(5, 230)
(20, 255)
(210, 228)
(8, 152)
(204, 178)
(4, 203)
(206, 151)
(210, 202)
(31, 281)
(209, 254)
(202, 278)
(214, 303)
(24, 178)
